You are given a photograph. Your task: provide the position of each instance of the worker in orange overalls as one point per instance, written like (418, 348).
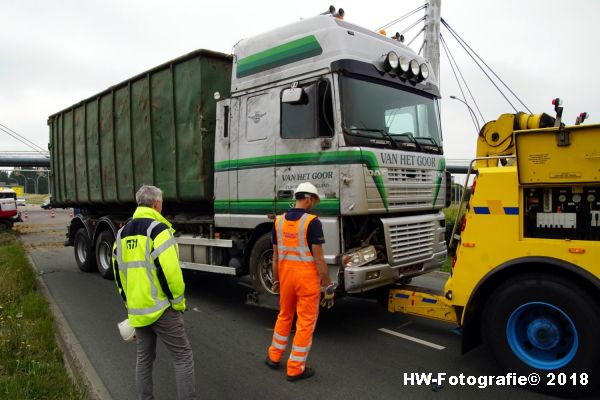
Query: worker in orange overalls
(299, 273)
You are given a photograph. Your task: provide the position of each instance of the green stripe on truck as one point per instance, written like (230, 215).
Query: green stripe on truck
(267, 206)
(330, 157)
(286, 53)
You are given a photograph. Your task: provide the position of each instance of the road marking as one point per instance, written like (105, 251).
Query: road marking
(196, 309)
(407, 323)
(412, 339)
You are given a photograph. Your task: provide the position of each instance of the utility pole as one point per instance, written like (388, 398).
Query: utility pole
(432, 35)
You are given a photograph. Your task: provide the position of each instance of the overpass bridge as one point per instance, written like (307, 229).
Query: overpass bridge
(24, 159)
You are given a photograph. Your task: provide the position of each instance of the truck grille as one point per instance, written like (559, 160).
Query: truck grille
(406, 189)
(410, 242)
(409, 175)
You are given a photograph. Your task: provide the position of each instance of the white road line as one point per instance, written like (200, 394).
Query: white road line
(412, 339)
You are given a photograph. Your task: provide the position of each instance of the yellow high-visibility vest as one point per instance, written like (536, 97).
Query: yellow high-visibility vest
(146, 267)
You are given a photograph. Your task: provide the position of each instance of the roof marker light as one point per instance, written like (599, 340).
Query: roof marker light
(397, 36)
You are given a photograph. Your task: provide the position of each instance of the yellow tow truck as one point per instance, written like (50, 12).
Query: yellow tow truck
(525, 277)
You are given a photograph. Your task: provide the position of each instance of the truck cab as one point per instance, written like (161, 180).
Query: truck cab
(356, 114)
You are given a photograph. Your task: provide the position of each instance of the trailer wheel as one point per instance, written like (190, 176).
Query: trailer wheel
(104, 251)
(84, 253)
(545, 325)
(261, 265)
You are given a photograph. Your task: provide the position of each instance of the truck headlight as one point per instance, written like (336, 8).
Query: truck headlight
(359, 257)
(391, 61)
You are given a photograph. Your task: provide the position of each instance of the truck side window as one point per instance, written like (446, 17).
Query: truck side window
(298, 120)
(312, 116)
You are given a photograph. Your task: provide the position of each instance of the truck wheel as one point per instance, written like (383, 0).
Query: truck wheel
(104, 251)
(261, 265)
(546, 325)
(84, 253)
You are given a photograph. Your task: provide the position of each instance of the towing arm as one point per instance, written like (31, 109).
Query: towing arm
(496, 137)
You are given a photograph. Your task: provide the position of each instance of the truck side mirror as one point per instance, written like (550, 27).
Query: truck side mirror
(292, 96)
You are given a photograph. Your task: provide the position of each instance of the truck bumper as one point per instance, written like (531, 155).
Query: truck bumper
(362, 279)
(414, 245)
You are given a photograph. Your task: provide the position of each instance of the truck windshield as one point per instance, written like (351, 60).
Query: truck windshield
(380, 115)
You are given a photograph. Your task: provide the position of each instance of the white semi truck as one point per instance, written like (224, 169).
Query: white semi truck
(229, 137)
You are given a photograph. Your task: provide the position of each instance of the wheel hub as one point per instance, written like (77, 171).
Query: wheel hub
(81, 251)
(266, 270)
(105, 256)
(543, 333)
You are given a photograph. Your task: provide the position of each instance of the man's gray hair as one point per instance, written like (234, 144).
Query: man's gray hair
(147, 195)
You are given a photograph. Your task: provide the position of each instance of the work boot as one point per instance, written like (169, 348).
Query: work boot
(271, 364)
(308, 372)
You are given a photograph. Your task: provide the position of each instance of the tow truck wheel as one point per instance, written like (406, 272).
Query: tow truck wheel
(261, 265)
(549, 326)
(84, 253)
(104, 251)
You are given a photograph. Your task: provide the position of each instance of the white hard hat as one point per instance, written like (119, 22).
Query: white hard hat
(127, 331)
(307, 187)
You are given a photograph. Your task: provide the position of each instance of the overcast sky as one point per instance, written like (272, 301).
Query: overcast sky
(56, 53)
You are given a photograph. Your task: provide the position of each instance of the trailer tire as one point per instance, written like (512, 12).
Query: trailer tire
(84, 251)
(549, 326)
(261, 266)
(104, 251)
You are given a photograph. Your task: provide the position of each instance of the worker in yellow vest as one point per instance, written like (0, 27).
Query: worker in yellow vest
(299, 273)
(149, 278)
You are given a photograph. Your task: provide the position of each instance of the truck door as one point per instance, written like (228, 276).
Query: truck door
(225, 151)
(259, 122)
(305, 145)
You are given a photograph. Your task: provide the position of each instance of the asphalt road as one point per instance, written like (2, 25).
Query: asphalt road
(352, 357)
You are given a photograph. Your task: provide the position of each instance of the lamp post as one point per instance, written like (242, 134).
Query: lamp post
(37, 180)
(34, 184)
(470, 110)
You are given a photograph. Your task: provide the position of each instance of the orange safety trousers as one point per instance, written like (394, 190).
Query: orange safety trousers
(300, 291)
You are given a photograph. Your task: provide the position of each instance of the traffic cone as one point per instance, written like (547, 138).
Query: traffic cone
(25, 216)
(52, 214)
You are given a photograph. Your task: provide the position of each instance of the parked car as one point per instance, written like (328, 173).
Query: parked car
(21, 201)
(46, 204)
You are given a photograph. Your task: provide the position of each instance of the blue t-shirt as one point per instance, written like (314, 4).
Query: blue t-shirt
(314, 234)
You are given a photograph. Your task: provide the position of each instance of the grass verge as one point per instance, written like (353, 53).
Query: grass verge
(36, 199)
(31, 364)
(451, 213)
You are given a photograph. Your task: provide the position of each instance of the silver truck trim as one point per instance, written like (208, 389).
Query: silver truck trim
(209, 268)
(412, 239)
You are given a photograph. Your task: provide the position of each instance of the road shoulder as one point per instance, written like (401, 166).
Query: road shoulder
(77, 363)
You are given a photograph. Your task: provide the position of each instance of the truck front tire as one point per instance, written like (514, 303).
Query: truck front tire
(261, 266)
(547, 325)
(84, 253)
(104, 251)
